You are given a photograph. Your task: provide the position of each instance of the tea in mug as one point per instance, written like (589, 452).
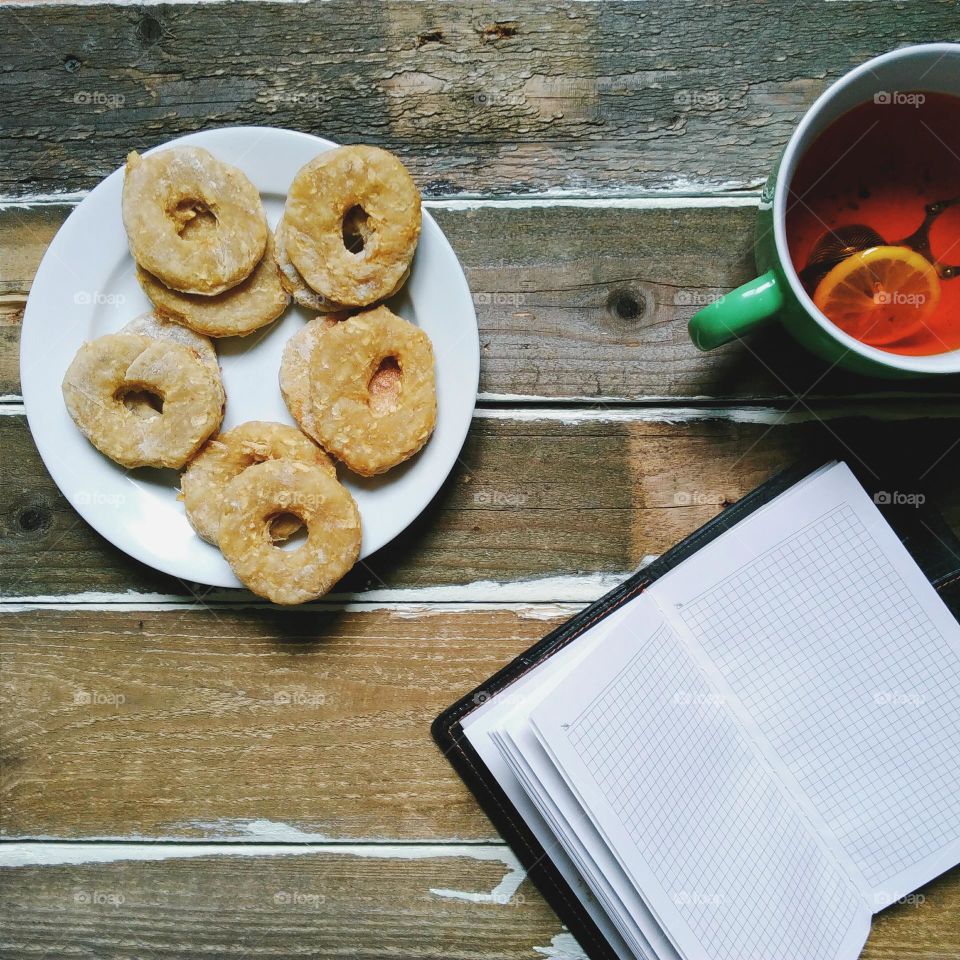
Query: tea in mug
(873, 222)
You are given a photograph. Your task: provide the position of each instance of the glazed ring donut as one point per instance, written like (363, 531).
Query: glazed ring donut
(195, 223)
(299, 289)
(250, 305)
(151, 325)
(296, 376)
(227, 455)
(264, 491)
(105, 370)
(373, 391)
(359, 195)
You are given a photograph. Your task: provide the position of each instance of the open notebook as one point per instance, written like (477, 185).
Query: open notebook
(757, 752)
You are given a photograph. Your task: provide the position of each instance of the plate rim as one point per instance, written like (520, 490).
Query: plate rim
(89, 512)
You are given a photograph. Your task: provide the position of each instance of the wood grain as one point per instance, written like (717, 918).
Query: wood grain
(528, 498)
(25, 234)
(574, 303)
(198, 724)
(336, 905)
(927, 922)
(284, 906)
(496, 98)
(216, 721)
(11, 317)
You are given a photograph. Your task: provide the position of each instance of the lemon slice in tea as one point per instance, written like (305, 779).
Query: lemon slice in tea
(881, 295)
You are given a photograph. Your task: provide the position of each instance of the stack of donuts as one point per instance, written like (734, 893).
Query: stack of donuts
(358, 379)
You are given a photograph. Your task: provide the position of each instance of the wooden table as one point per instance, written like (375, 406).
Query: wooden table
(190, 773)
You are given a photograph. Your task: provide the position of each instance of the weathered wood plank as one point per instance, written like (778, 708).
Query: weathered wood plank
(11, 316)
(240, 724)
(533, 495)
(337, 905)
(927, 922)
(25, 234)
(294, 905)
(574, 302)
(489, 98)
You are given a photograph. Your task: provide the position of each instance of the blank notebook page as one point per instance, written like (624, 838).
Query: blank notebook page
(696, 819)
(847, 660)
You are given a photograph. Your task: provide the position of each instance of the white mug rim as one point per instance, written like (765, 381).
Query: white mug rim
(940, 363)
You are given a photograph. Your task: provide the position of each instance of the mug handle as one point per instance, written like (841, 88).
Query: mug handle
(736, 313)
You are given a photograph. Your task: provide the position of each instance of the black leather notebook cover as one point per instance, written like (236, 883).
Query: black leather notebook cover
(924, 533)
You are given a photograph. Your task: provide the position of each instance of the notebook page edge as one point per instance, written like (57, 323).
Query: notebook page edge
(595, 875)
(518, 742)
(477, 728)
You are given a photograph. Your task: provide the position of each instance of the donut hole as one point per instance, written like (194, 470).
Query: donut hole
(140, 400)
(287, 531)
(255, 452)
(384, 386)
(284, 525)
(194, 219)
(356, 230)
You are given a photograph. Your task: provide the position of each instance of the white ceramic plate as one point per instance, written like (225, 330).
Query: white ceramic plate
(86, 287)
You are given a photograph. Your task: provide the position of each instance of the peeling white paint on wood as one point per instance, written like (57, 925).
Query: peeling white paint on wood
(402, 611)
(658, 201)
(260, 831)
(486, 397)
(16, 855)
(684, 195)
(11, 404)
(921, 409)
(130, 3)
(563, 947)
(655, 400)
(502, 894)
(523, 596)
(67, 198)
(524, 611)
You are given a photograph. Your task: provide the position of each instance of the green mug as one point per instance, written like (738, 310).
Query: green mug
(778, 293)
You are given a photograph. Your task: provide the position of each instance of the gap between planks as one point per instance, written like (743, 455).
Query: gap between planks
(580, 408)
(913, 407)
(25, 853)
(546, 598)
(132, 3)
(641, 201)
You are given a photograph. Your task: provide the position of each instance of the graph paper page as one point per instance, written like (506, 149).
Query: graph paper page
(699, 823)
(841, 658)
